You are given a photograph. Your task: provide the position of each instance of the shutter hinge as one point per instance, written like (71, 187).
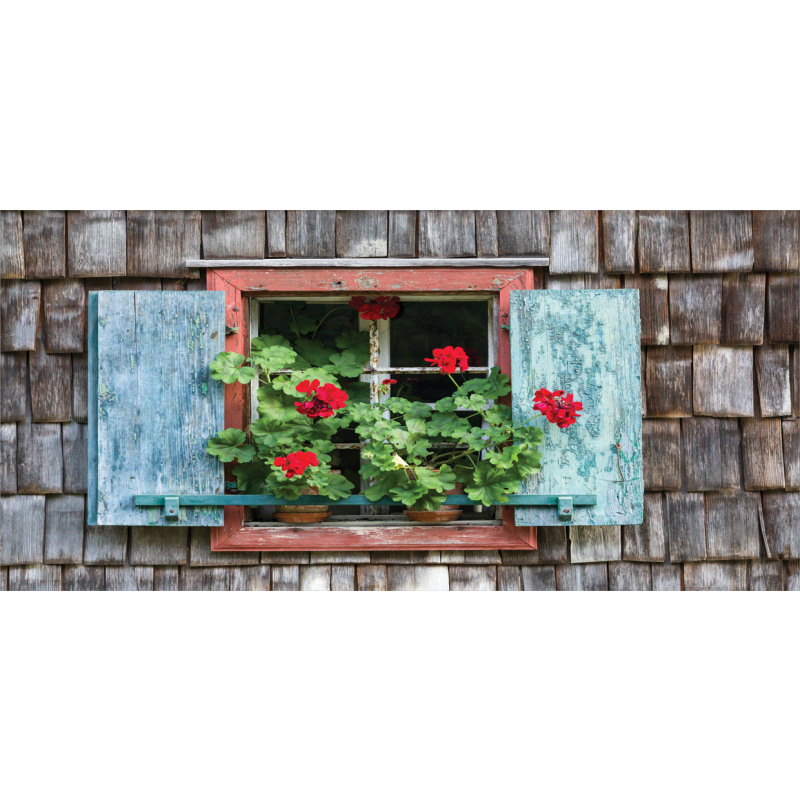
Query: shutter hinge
(565, 509)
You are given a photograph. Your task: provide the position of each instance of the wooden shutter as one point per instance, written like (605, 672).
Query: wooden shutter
(152, 403)
(585, 342)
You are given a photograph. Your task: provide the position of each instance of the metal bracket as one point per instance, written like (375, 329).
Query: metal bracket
(172, 507)
(565, 509)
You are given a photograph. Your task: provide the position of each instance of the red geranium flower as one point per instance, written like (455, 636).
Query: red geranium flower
(296, 463)
(383, 307)
(448, 358)
(388, 382)
(323, 399)
(557, 407)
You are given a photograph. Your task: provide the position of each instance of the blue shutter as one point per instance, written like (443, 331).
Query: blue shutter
(587, 343)
(152, 403)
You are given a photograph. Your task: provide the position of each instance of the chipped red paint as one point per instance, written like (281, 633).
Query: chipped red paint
(239, 284)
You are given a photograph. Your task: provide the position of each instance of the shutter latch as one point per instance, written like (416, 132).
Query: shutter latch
(565, 509)
(172, 507)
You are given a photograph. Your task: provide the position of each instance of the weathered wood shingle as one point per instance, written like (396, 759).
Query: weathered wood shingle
(684, 513)
(772, 375)
(44, 235)
(64, 526)
(96, 243)
(669, 382)
(64, 315)
(695, 309)
(362, 234)
(22, 541)
(523, 233)
(619, 241)
(661, 453)
(762, 454)
(776, 237)
(723, 381)
(486, 244)
(654, 306)
(791, 453)
(276, 234)
(39, 459)
(783, 307)
(573, 242)
(447, 234)
(711, 454)
(8, 459)
(732, 525)
(311, 234)
(74, 441)
(12, 259)
(722, 241)
(646, 542)
(402, 234)
(13, 386)
(782, 523)
(19, 314)
(51, 384)
(743, 298)
(721, 576)
(766, 576)
(234, 234)
(581, 578)
(664, 241)
(628, 577)
(158, 242)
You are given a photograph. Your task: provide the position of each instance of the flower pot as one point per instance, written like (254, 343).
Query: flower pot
(300, 514)
(439, 515)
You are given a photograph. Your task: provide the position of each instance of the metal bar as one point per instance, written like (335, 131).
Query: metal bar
(353, 500)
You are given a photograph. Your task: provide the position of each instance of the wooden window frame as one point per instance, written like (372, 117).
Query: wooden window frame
(240, 285)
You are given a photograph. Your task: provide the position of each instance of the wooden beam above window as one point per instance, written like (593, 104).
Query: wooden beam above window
(360, 263)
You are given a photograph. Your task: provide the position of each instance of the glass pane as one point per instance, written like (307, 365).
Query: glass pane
(425, 388)
(293, 318)
(420, 327)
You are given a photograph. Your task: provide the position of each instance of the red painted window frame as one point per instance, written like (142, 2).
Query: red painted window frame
(240, 285)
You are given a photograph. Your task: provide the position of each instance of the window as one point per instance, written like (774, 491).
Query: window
(398, 348)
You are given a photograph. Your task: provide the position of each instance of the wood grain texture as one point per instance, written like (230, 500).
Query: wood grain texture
(152, 353)
(63, 306)
(669, 381)
(581, 578)
(44, 236)
(573, 242)
(486, 244)
(22, 541)
(83, 579)
(37, 578)
(249, 579)
(695, 309)
(586, 342)
(202, 579)
(159, 242)
(201, 555)
(627, 577)
(711, 454)
(13, 386)
(12, 259)
(646, 542)
(64, 525)
(473, 578)
(403, 233)
(766, 576)
(509, 579)
(541, 579)
(776, 240)
(743, 299)
(285, 578)
(247, 268)
(362, 234)
(80, 387)
(796, 381)
(315, 578)
(159, 546)
(791, 575)
(105, 545)
(234, 234)
(664, 241)
(402, 578)
(722, 241)
(8, 459)
(276, 234)
(551, 548)
(342, 557)
(447, 234)
(167, 579)
(783, 308)
(773, 380)
(75, 447)
(723, 381)
(730, 576)
(791, 453)
(524, 233)
(129, 579)
(661, 453)
(51, 384)
(684, 513)
(762, 454)
(666, 577)
(343, 577)
(732, 529)
(96, 244)
(593, 544)
(39, 459)
(372, 578)
(19, 314)
(619, 241)
(310, 234)
(782, 523)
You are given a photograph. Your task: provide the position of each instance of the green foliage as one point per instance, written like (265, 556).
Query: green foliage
(230, 444)
(227, 367)
(271, 359)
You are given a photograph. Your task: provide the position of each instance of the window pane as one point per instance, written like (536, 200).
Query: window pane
(293, 318)
(420, 327)
(425, 388)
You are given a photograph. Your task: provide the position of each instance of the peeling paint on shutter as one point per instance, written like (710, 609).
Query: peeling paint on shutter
(585, 342)
(152, 403)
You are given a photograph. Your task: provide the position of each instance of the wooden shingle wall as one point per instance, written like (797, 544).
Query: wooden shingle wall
(720, 299)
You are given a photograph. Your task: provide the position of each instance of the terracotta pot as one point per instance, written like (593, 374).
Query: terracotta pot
(442, 514)
(303, 514)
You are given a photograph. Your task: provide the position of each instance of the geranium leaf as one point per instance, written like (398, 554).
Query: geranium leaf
(227, 367)
(230, 444)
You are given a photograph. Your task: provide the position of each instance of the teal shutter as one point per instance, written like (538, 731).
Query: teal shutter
(152, 404)
(587, 343)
